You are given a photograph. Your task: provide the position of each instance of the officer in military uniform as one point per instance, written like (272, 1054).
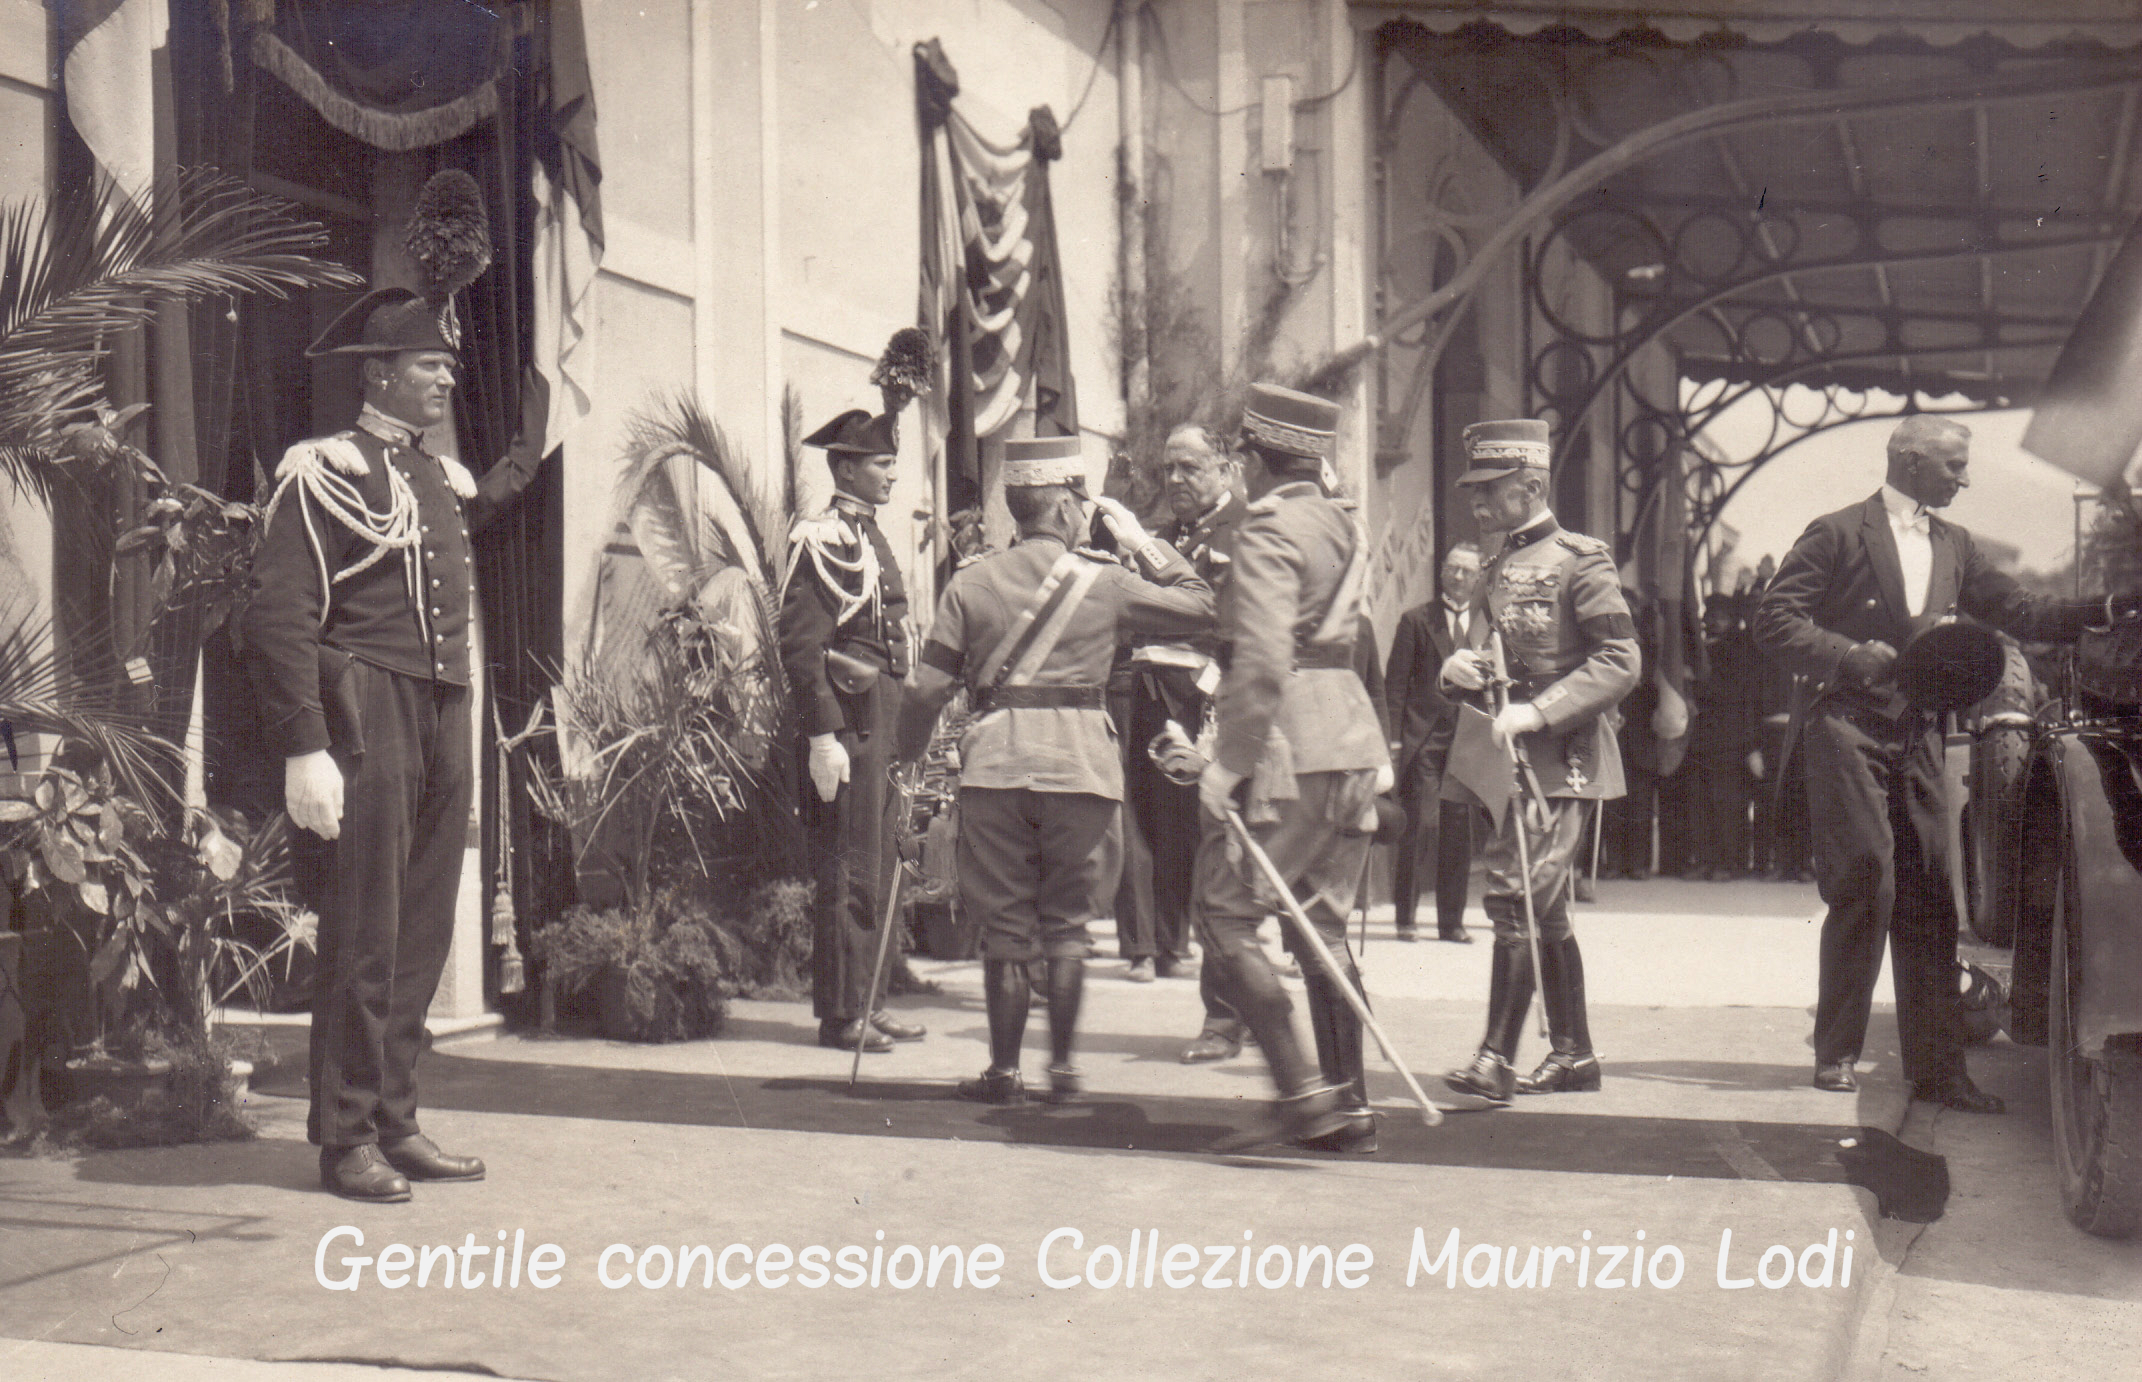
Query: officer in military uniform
(357, 643)
(1295, 728)
(1161, 680)
(1031, 632)
(1551, 603)
(844, 645)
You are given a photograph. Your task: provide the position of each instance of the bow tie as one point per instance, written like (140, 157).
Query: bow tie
(1916, 522)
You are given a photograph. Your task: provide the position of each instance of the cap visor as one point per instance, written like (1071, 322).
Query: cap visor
(1484, 474)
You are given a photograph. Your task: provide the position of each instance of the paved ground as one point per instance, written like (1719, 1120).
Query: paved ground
(111, 1264)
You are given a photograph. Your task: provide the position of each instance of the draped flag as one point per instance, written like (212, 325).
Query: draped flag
(566, 188)
(109, 73)
(992, 281)
(1670, 622)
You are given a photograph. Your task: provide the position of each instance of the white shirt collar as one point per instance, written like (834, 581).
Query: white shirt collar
(1904, 511)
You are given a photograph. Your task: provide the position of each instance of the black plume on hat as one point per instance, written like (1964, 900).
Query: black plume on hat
(449, 235)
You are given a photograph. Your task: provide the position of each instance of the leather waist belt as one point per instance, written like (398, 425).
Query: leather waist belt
(1043, 698)
(1327, 657)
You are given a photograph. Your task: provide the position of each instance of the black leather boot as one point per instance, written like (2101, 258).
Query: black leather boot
(1489, 1076)
(1006, 994)
(1247, 984)
(1067, 983)
(1339, 1055)
(1570, 1067)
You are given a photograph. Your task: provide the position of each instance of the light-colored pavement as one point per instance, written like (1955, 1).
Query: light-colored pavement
(1706, 1125)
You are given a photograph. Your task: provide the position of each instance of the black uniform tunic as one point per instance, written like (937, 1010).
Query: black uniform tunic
(357, 642)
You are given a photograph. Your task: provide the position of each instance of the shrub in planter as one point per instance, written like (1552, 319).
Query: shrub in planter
(656, 975)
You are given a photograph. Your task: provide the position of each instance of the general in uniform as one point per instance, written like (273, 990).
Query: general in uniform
(1551, 601)
(844, 645)
(1161, 680)
(357, 643)
(1853, 590)
(1031, 632)
(1438, 836)
(1295, 726)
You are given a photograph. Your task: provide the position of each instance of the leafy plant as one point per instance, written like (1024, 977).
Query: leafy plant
(659, 973)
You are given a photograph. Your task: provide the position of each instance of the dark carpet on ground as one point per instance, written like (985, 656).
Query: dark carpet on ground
(1908, 1183)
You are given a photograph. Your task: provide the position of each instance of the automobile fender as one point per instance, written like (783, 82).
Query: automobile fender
(2094, 784)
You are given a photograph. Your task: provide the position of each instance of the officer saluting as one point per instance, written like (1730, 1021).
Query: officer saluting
(1552, 602)
(844, 645)
(357, 642)
(1297, 726)
(1032, 631)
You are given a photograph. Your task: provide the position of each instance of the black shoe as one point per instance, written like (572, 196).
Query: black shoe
(1170, 967)
(1409, 933)
(846, 1036)
(1064, 1085)
(419, 1158)
(1211, 1046)
(893, 1027)
(1310, 1116)
(1562, 1073)
(1357, 1138)
(1489, 1077)
(361, 1173)
(994, 1086)
(1461, 936)
(1838, 1078)
(1957, 1092)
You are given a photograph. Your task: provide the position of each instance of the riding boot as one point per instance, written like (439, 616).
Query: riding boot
(1067, 981)
(1509, 998)
(1006, 994)
(1338, 1052)
(1570, 1067)
(1248, 985)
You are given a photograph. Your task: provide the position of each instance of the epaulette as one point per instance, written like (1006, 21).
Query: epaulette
(819, 529)
(458, 478)
(1582, 544)
(1268, 504)
(338, 453)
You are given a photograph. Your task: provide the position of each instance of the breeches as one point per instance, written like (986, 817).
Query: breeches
(1552, 848)
(1313, 846)
(384, 891)
(1034, 868)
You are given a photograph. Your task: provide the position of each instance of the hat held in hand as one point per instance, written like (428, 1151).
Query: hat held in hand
(1952, 665)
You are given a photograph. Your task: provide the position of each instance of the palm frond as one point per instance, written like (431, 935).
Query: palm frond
(76, 269)
(41, 695)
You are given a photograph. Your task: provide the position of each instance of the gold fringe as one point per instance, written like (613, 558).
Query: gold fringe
(396, 133)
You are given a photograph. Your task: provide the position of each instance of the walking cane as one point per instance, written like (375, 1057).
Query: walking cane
(1522, 769)
(1292, 909)
(904, 804)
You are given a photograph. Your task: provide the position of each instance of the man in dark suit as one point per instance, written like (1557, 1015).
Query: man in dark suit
(1438, 834)
(1853, 590)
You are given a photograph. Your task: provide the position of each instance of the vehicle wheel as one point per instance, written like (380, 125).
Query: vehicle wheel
(2096, 1103)
(1994, 821)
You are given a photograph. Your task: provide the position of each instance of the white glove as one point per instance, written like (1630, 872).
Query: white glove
(1216, 788)
(312, 793)
(1386, 779)
(1130, 533)
(1465, 669)
(1519, 717)
(829, 765)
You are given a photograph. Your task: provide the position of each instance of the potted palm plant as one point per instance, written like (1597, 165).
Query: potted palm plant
(87, 841)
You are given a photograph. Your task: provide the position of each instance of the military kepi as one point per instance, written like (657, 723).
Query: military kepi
(385, 321)
(1290, 422)
(857, 433)
(1496, 449)
(1034, 461)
